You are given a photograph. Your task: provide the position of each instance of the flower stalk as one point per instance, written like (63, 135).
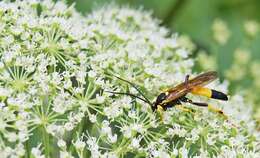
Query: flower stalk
(46, 142)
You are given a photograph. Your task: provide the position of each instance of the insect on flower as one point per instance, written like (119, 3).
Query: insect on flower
(175, 96)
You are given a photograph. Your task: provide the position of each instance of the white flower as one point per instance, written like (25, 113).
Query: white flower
(193, 135)
(220, 31)
(183, 152)
(36, 152)
(251, 28)
(8, 39)
(100, 99)
(138, 128)
(127, 132)
(211, 140)
(68, 126)
(93, 118)
(113, 111)
(61, 143)
(12, 137)
(93, 147)
(182, 52)
(20, 151)
(79, 144)
(105, 127)
(135, 143)
(112, 138)
(163, 154)
(65, 154)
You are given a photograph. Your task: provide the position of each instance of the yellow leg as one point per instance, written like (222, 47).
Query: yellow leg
(160, 111)
(214, 109)
(182, 108)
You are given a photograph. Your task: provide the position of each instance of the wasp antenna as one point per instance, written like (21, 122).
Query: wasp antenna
(132, 95)
(133, 85)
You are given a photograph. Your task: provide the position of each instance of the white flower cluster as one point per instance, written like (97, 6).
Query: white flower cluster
(57, 66)
(221, 32)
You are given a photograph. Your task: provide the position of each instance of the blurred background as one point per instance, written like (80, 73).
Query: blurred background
(225, 36)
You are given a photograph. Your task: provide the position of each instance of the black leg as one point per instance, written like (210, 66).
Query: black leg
(210, 107)
(186, 80)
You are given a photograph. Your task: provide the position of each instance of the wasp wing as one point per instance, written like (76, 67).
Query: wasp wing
(184, 88)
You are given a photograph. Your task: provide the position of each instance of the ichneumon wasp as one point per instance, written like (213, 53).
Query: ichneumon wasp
(175, 96)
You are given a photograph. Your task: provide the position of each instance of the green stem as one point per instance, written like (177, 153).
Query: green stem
(174, 10)
(76, 133)
(81, 153)
(46, 142)
(27, 147)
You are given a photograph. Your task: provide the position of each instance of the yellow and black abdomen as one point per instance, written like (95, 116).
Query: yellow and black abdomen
(210, 93)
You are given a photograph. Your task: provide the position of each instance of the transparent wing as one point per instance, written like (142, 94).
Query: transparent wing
(182, 89)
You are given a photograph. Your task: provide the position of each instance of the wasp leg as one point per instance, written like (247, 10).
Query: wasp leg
(186, 80)
(210, 107)
(182, 108)
(160, 111)
(217, 110)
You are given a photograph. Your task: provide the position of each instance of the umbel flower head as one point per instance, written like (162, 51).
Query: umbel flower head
(55, 69)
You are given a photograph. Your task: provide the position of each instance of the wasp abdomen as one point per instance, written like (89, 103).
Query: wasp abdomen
(211, 93)
(218, 95)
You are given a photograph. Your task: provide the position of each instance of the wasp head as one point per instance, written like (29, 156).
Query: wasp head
(161, 97)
